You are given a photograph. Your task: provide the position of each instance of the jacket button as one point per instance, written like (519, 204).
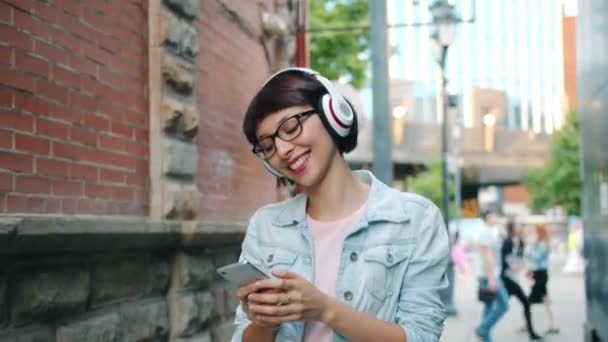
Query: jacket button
(389, 258)
(348, 295)
(354, 256)
(270, 258)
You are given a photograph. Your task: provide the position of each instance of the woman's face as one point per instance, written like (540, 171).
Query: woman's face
(305, 159)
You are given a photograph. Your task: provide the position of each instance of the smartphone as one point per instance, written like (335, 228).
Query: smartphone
(241, 273)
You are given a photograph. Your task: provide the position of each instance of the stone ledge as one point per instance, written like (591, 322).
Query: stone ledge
(44, 234)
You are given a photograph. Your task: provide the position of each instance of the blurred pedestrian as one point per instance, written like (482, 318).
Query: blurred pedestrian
(350, 257)
(459, 256)
(575, 263)
(539, 257)
(512, 264)
(489, 245)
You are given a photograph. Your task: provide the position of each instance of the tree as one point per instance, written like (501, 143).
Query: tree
(559, 182)
(428, 184)
(337, 54)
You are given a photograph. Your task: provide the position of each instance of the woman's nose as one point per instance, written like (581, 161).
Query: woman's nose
(284, 148)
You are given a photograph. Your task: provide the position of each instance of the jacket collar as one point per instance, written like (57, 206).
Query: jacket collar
(383, 204)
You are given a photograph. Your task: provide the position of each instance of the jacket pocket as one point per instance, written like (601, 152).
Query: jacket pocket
(279, 259)
(382, 267)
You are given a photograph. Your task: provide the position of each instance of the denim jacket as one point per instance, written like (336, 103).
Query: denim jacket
(392, 266)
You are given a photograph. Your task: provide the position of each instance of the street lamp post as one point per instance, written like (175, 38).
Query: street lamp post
(445, 28)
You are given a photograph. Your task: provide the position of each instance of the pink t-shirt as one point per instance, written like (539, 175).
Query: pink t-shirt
(328, 239)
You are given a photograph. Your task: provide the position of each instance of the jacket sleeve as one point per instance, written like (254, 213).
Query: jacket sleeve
(249, 251)
(420, 310)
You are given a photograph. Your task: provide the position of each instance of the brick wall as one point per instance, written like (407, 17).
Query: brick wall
(232, 65)
(516, 194)
(73, 107)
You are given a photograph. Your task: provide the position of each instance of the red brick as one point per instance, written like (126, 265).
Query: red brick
(66, 113)
(78, 171)
(107, 175)
(52, 91)
(16, 120)
(141, 135)
(6, 55)
(96, 20)
(52, 129)
(96, 54)
(108, 108)
(112, 143)
(120, 193)
(29, 143)
(86, 206)
(12, 37)
(32, 64)
(69, 151)
(111, 78)
(83, 136)
(66, 40)
(96, 122)
(109, 43)
(32, 184)
(134, 179)
(16, 162)
(16, 79)
(100, 90)
(72, 7)
(64, 76)
(52, 167)
(53, 205)
(32, 25)
(6, 13)
(136, 148)
(86, 102)
(6, 139)
(115, 160)
(97, 191)
(83, 65)
(69, 206)
(134, 70)
(121, 129)
(63, 188)
(25, 5)
(31, 104)
(6, 98)
(17, 203)
(50, 52)
(6, 182)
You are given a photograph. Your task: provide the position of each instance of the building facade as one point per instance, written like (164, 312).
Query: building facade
(511, 46)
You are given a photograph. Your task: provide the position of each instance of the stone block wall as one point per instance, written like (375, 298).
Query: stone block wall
(86, 287)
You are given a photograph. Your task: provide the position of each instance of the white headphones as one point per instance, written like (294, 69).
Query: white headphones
(335, 112)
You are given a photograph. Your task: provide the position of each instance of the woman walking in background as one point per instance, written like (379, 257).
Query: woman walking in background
(511, 265)
(539, 257)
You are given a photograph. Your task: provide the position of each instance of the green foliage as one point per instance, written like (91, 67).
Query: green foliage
(429, 185)
(340, 53)
(559, 182)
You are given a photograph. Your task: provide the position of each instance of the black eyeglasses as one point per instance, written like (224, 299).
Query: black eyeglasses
(288, 130)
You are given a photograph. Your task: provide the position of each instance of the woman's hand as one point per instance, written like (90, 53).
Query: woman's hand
(244, 293)
(293, 299)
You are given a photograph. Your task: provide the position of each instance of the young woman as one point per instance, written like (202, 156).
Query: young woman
(351, 258)
(539, 257)
(511, 265)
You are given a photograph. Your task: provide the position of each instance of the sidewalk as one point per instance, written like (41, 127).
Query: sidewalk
(567, 292)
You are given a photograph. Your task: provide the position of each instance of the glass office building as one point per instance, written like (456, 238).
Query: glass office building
(511, 45)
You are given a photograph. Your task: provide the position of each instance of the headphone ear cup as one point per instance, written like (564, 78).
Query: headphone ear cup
(337, 115)
(272, 170)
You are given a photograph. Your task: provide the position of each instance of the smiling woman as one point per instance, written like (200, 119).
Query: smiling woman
(352, 259)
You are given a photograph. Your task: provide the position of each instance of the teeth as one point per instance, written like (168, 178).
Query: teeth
(298, 162)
